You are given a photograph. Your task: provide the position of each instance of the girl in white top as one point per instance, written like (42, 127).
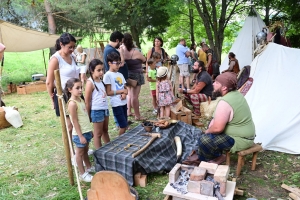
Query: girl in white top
(96, 102)
(80, 59)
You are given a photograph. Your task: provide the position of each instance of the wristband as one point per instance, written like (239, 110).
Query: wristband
(184, 91)
(115, 92)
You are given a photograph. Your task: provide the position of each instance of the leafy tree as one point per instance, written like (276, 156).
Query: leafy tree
(216, 16)
(147, 17)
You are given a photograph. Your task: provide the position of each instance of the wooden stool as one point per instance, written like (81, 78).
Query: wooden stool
(241, 160)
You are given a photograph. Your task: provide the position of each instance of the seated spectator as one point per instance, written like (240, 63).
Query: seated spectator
(202, 89)
(232, 127)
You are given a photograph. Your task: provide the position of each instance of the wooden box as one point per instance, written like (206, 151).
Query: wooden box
(39, 86)
(3, 122)
(184, 115)
(11, 88)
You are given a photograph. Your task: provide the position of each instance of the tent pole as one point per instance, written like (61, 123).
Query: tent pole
(45, 62)
(63, 126)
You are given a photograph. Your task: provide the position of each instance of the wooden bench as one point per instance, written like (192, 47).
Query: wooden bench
(241, 157)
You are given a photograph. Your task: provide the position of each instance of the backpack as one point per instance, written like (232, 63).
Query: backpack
(162, 50)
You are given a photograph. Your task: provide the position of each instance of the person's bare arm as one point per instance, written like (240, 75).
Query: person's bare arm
(83, 57)
(140, 56)
(197, 88)
(53, 65)
(89, 87)
(148, 57)
(223, 115)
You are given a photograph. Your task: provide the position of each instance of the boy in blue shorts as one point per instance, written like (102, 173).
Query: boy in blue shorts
(115, 88)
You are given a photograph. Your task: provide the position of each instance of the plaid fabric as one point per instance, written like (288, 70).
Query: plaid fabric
(212, 145)
(160, 155)
(195, 100)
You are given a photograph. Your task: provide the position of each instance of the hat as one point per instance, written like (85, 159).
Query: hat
(228, 79)
(161, 72)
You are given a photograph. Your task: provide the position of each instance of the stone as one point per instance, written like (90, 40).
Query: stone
(174, 173)
(193, 186)
(210, 167)
(207, 188)
(198, 174)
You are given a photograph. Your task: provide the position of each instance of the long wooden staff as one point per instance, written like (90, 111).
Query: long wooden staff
(63, 126)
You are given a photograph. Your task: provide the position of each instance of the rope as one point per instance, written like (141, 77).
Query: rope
(70, 144)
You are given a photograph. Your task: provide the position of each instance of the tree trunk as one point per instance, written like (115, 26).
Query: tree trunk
(135, 36)
(267, 18)
(51, 21)
(192, 25)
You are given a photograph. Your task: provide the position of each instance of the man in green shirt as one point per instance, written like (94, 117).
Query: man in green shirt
(232, 127)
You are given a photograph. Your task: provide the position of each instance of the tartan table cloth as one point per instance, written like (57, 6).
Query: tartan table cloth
(159, 156)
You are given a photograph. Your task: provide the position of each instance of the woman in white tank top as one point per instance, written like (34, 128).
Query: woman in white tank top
(66, 64)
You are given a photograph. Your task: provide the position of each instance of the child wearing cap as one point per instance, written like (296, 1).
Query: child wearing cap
(164, 94)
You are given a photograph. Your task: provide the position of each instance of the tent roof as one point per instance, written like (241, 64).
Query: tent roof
(19, 39)
(274, 98)
(245, 43)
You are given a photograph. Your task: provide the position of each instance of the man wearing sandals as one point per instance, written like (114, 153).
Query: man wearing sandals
(232, 127)
(201, 90)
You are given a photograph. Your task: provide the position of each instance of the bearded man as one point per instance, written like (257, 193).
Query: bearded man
(232, 127)
(201, 90)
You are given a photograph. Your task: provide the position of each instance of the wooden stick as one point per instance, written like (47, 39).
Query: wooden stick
(296, 191)
(144, 147)
(63, 126)
(293, 196)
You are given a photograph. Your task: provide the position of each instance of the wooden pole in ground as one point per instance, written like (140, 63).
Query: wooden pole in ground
(63, 126)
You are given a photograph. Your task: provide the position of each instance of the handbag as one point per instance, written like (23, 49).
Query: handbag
(131, 82)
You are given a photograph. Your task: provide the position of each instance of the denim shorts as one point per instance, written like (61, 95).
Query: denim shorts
(120, 113)
(99, 115)
(88, 136)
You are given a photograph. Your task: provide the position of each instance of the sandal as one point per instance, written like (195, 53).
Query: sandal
(131, 115)
(140, 118)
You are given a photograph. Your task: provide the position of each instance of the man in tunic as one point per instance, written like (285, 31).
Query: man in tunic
(233, 64)
(232, 127)
(212, 65)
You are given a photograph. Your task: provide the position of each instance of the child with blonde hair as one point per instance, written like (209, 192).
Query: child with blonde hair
(164, 94)
(82, 130)
(80, 59)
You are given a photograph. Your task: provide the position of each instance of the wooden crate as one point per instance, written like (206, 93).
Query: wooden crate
(184, 115)
(11, 88)
(39, 86)
(3, 122)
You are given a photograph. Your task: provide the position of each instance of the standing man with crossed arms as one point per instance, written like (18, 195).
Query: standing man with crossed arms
(183, 54)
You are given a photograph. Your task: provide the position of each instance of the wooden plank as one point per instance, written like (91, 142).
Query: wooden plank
(294, 190)
(293, 196)
(168, 197)
(178, 106)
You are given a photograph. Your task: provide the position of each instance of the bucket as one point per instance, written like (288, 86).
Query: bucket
(13, 117)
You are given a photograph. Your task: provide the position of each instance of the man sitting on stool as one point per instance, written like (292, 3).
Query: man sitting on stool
(202, 88)
(232, 127)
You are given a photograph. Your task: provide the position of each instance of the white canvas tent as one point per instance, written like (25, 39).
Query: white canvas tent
(245, 44)
(274, 98)
(19, 39)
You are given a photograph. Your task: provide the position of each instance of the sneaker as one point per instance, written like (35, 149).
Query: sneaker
(86, 177)
(90, 152)
(154, 112)
(91, 170)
